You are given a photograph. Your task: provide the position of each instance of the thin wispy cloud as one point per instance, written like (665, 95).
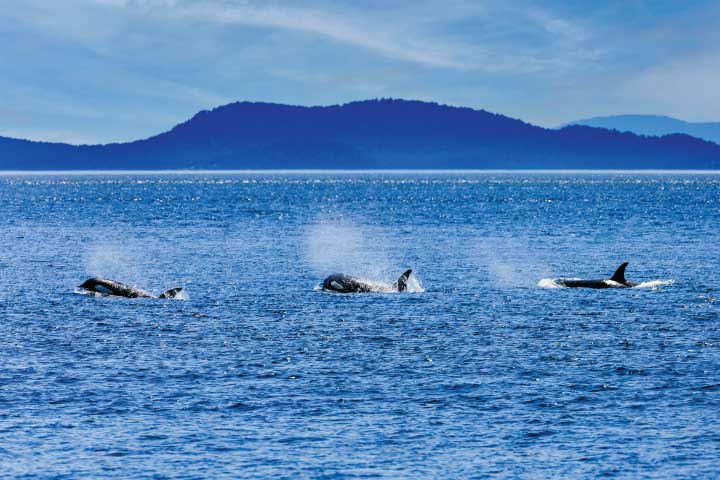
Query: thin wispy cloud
(328, 25)
(372, 36)
(148, 64)
(409, 36)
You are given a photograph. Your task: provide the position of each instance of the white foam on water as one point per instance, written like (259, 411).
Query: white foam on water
(414, 285)
(654, 284)
(82, 291)
(549, 283)
(181, 295)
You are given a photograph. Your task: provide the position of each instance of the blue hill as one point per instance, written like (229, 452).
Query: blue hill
(366, 134)
(656, 125)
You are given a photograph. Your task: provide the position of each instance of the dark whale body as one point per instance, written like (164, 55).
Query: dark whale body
(616, 281)
(111, 287)
(342, 283)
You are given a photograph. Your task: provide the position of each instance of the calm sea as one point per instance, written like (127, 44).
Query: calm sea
(478, 373)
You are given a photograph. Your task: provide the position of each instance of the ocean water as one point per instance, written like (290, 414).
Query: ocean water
(480, 372)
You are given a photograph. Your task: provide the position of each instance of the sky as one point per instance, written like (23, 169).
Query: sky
(99, 71)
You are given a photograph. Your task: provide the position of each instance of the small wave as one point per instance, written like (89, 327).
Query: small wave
(82, 291)
(654, 284)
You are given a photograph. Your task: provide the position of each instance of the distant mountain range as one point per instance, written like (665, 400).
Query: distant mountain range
(368, 134)
(654, 125)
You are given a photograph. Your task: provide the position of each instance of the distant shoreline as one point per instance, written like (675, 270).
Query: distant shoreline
(367, 135)
(359, 171)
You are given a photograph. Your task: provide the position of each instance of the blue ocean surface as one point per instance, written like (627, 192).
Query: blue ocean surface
(481, 371)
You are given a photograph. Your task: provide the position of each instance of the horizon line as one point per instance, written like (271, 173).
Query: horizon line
(310, 171)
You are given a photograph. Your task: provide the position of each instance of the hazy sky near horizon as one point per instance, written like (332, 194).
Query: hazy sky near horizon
(96, 71)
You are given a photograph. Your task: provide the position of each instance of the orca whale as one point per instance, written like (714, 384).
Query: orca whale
(111, 287)
(616, 281)
(347, 284)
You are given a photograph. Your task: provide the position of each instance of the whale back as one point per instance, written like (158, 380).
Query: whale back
(111, 287)
(340, 282)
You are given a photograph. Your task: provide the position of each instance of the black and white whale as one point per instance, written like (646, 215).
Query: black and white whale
(111, 287)
(616, 281)
(347, 284)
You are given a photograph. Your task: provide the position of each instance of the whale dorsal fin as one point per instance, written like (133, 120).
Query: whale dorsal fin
(619, 275)
(401, 284)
